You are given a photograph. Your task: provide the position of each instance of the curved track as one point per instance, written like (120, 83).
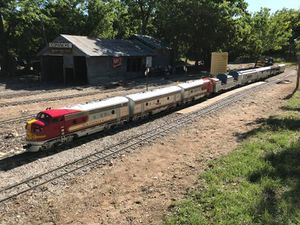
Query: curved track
(101, 155)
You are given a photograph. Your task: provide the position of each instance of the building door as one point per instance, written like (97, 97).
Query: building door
(80, 69)
(52, 68)
(69, 76)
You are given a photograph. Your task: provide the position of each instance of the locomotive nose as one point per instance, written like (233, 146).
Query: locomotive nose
(34, 129)
(28, 127)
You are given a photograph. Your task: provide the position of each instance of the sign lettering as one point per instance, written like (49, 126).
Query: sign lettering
(60, 45)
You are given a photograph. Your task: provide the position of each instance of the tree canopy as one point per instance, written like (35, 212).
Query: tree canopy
(193, 28)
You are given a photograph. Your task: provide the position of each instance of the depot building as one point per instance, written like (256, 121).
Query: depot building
(81, 59)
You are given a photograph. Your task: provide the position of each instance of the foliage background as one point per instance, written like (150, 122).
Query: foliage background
(193, 28)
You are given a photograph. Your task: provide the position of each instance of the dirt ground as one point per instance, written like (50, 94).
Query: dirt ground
(139, 187)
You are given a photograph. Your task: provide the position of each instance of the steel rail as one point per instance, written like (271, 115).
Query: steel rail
(50, 99)
(31, 93)
(108, 152)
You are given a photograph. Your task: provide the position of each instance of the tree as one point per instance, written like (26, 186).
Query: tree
(292, 17)
(142, 12)
(262, 33)
(99, 19)
(18, 20)
(195, 28)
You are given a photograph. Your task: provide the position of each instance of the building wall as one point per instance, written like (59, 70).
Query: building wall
(100, 70)
(162, 58)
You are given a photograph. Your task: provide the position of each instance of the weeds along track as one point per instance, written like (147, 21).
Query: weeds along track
(100, 156)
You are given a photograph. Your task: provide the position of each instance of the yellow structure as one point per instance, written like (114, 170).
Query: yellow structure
(219, 61)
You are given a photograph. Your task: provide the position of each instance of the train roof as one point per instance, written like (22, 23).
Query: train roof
(193, 83)
(54, 113)
(263, 68)
(101, 104)
(155, 93)
(247, 71)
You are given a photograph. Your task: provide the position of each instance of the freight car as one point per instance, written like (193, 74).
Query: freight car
(53, 127)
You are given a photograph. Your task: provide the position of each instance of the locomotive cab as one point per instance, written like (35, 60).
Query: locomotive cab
(40, 128)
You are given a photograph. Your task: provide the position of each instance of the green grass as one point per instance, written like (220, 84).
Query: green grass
(258, 183)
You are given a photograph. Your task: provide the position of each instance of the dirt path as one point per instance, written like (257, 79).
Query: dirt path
(139, 187)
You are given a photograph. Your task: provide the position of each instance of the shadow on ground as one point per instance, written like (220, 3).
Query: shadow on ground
(24, 158)
(287, 108)
(292, 94)
(28, 157)
(279, 203)
(273, 123)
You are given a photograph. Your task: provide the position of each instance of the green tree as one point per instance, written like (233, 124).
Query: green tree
(292, 17)
(195, 28)
(142, 12)
(18, 26)
(64, 16)
(262, 33)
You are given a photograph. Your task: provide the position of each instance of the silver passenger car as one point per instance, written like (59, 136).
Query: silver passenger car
(248, 76)
(152, 102)
(281, 68)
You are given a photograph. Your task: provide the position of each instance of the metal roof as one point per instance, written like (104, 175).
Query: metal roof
(192, 84)
(154, 93)
(101, 47)
(150, 41)
(59, 112)
(115, 101)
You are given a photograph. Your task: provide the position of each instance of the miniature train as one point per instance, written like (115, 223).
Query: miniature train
(53, 127)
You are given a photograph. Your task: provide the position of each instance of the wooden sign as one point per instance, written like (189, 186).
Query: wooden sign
(148, 61)
(116, 62)
(60, 45)
(219, 61)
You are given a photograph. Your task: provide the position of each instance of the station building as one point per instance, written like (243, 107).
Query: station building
(81, 59)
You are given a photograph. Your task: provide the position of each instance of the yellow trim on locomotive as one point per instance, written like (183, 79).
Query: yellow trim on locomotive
(29, 135)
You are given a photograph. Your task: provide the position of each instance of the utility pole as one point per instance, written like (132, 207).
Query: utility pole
(298, 76)
(298, 59)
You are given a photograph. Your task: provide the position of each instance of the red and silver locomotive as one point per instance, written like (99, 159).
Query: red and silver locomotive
(56, 126)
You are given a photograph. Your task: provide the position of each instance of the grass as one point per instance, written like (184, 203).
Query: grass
(258, 183)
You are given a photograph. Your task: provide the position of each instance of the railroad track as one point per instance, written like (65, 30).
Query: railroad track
(102, 155)
(16, 119)
(29, 93)
(50, 99)
(30, 101)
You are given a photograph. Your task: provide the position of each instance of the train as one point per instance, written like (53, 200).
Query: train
(53, 127)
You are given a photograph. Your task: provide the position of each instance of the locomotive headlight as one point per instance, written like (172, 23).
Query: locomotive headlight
(37, 130)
